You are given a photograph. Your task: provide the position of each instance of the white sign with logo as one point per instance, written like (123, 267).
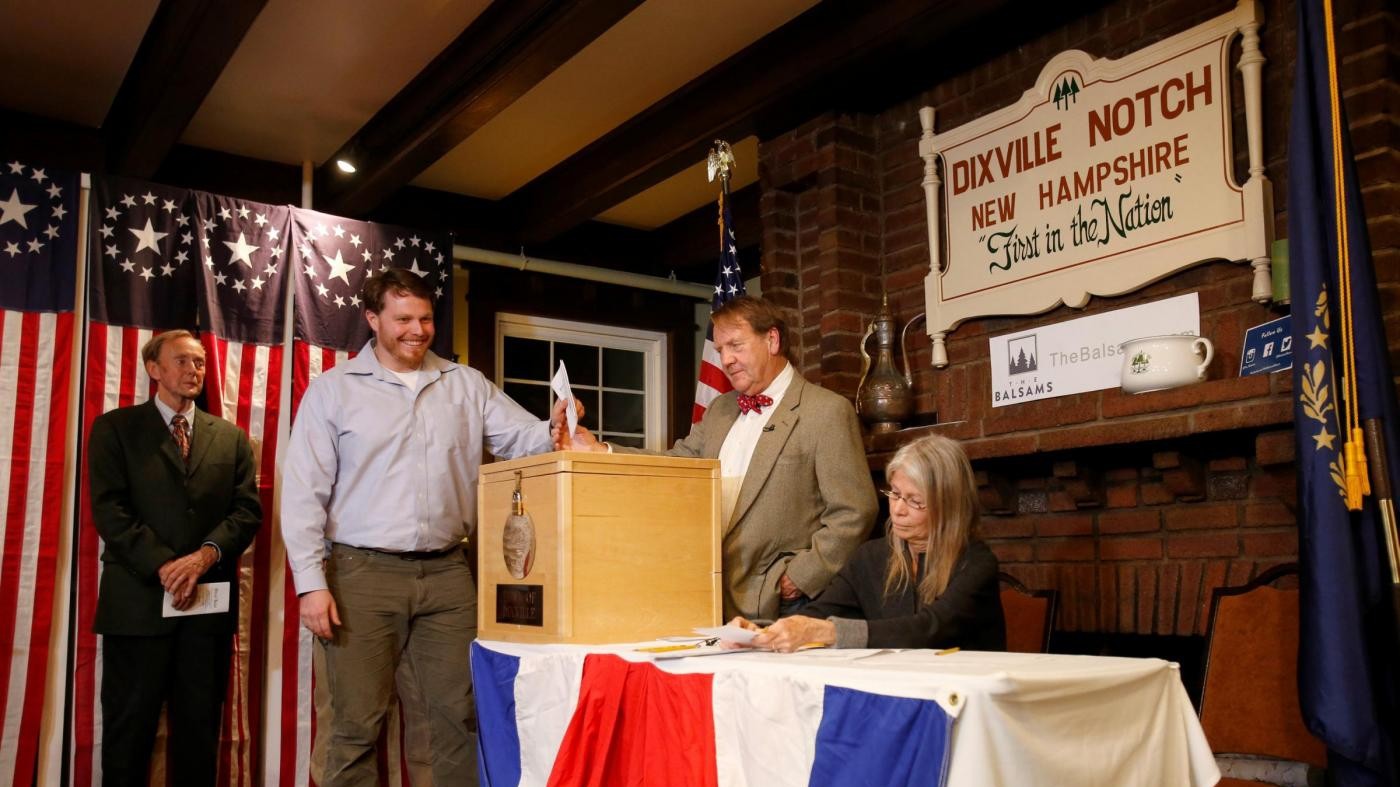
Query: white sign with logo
(1081, 355)
(1105, 176)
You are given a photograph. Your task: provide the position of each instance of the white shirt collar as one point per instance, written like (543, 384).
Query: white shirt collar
(777, 389)
(366, 362)
(167, 412)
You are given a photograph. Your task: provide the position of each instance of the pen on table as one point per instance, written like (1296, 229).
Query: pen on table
(705, 643)
(946, 651)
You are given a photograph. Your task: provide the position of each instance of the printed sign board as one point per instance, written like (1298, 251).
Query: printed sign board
(1268, 347)
(1105, 176)
(1083, 354)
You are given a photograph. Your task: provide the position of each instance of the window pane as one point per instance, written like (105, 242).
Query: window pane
(534, 398)
(589, 398)
(598, 357)
(629, 441)
(624, 369)
(581, 361)
(526, 359)
(624, 412)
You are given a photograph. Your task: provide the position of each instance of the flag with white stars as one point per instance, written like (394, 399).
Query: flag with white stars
(243, 247)
(243, 250)
(144, 252)
(38, 237)
(334, 256)
(729, 284)
(38, 279)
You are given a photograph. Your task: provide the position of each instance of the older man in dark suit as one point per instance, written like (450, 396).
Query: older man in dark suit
(174, 498)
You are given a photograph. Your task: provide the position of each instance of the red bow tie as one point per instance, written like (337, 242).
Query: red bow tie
(755, 403)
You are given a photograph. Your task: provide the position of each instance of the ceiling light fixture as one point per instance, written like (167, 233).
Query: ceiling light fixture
(345, 166)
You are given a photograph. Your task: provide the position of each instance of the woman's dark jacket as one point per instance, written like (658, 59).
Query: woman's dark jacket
(967, 615)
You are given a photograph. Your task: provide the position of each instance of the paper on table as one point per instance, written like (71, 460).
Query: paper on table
(209, 598)
(560, 384)
(729, 633)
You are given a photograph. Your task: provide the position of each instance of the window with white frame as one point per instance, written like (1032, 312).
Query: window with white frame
(618, 374)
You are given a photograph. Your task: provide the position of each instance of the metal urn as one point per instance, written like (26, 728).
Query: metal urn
(885, 395)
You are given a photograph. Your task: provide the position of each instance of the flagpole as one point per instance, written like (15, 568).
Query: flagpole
(52, 766)
(273, 668)
(721, 164)
(1385, 503)
(729, 282)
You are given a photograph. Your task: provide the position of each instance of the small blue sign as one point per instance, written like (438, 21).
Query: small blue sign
(1267, 348)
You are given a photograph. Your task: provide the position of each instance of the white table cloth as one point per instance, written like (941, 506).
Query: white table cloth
(1020, 719)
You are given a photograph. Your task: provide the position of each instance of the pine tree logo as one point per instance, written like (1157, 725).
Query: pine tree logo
(1066, 92)
(1021, 355)
(1141, 363)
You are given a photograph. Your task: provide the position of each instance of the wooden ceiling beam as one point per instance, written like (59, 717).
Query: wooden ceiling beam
(686, 247)
(473, 221)
(185, 49)
(689, 245)
(227, 173)
(508, 50)
(48, 142)
(781, 74)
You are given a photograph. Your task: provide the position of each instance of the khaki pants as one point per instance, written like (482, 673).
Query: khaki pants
(416, 617)
(417, 749)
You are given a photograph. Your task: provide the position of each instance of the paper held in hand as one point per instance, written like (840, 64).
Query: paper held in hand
(742, 636)
(560, 384)
(729, 633)
(209, 598)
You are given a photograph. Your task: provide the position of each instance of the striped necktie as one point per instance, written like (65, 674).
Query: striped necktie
(179, 429)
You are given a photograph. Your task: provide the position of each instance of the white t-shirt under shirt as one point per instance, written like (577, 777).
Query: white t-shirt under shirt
(737, 450)
(409, 379)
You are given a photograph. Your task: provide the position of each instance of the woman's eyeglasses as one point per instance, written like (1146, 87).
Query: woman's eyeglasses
(917, 505)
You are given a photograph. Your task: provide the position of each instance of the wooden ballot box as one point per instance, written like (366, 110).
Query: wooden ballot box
(597, 547)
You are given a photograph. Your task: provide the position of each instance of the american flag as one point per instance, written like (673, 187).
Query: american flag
(38, 267)
(729, 284)
(241, 308)
(332, 256)
(165, 258)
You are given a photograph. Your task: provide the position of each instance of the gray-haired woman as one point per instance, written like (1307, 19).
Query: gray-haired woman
(928, 584)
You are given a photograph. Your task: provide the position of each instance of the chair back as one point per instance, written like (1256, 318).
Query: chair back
(1249, 704)
(1030, 615)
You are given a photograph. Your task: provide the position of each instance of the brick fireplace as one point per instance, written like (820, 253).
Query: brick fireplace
(1133, 507)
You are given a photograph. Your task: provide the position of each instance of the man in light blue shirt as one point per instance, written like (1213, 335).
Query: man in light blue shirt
(379, 489)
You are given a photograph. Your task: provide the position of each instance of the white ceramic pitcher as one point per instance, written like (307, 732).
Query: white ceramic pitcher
(1155, 363)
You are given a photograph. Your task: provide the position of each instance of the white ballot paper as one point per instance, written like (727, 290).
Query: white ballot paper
(209, 598)
(729, 633)
(560, 384)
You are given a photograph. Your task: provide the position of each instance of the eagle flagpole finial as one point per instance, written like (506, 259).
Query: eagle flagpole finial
(720, 162)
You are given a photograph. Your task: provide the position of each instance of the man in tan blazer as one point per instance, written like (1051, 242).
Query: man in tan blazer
(797, 495)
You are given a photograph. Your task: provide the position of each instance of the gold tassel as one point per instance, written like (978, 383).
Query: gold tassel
(1359, 438)
(1358, 479)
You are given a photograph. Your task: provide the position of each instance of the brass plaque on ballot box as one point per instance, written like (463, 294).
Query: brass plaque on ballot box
(593, 548)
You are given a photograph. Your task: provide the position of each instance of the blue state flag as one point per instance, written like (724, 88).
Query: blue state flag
(1347, 665)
